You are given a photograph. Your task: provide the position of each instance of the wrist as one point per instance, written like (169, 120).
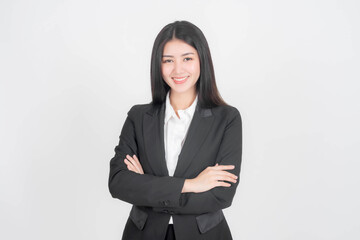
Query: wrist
(187, 186)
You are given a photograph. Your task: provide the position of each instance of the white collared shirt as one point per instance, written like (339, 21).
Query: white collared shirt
(175, 132)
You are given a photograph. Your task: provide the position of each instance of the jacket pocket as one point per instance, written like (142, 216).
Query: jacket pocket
(138, 217)
(209, 220)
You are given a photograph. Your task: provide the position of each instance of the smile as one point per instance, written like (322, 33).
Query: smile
(180, 80)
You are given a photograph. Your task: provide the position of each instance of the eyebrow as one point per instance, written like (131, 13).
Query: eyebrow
(181, 55)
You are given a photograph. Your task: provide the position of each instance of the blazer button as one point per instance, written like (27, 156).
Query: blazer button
(166, 203)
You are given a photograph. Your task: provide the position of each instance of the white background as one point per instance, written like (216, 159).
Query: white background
(71, 70)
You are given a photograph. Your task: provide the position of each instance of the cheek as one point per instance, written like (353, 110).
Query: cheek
(195, 68)
(165, 71)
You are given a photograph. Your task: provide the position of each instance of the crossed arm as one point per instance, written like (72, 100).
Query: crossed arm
(205, 193)
(209, 178)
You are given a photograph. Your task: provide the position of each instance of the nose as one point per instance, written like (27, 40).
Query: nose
(178, 67)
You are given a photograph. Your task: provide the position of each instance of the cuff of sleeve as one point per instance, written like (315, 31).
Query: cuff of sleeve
(174, 199)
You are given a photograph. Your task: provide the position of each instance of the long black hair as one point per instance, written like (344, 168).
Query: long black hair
(208, 94)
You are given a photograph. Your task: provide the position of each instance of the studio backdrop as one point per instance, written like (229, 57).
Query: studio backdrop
(71, 70)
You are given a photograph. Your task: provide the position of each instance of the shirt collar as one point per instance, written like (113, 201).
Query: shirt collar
(170, 112)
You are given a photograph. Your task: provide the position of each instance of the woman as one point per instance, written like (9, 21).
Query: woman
(179, 156)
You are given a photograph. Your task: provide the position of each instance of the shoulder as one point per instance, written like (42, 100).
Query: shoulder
(138, 109)
(227, 113)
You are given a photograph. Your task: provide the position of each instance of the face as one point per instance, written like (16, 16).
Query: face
(180, 66)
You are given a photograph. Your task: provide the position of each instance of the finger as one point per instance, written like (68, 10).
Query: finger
(130, 166)
(127, 162)
(134, 163)
(222, 184)
(224, 167)
(138, 162)
(136, 159)
(131, 160)
(225, 178)
(227, 174)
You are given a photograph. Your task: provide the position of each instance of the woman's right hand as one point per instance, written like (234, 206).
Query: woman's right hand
(209, 178)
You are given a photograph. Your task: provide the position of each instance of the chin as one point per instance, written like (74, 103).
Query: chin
(180, 89)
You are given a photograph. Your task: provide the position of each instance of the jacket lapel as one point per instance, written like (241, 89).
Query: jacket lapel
(153, 130)
(153, 134)
(198, 130)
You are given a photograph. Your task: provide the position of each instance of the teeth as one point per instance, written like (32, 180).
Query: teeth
(180, 79)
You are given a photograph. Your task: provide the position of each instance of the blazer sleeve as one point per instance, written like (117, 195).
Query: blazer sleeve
(139, 189)
(229, 153)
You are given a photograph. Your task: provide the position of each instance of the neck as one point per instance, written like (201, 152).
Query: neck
(181, 101)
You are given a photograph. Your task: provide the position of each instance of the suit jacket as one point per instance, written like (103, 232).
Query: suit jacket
(214, 136)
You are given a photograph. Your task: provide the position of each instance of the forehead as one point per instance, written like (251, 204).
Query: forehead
(178, 47)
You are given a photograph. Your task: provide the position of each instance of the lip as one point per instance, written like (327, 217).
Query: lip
(182, 81)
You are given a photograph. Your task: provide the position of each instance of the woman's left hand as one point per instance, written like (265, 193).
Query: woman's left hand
(133, 164)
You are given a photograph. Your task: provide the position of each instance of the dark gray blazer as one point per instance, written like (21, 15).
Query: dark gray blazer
(214, 136)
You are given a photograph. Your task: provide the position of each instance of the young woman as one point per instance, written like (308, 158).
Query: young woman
(179, 157)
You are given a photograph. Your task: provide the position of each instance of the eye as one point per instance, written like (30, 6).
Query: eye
(187, 59)
(167, 60)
